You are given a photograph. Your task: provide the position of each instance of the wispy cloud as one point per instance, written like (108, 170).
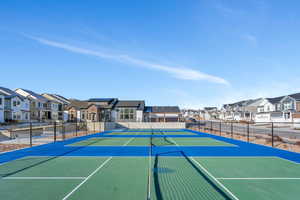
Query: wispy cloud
(226, 11)
(182, 73)
(250, 38)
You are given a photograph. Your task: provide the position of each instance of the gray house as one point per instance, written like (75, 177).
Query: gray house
(162, 114)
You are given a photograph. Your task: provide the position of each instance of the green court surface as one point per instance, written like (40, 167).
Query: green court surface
(152, 133)
(264, 178)
(157, 141)
(199, 141)
(158, 177)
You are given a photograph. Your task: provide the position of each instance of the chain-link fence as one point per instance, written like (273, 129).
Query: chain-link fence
(20, 136)
(283, 135)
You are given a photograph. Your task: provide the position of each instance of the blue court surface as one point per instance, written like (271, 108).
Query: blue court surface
(150, 164)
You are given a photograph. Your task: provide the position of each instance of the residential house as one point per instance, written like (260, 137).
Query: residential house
(39, 105)
(77, 110)
(128, 111)
(211, 113)
(279, 109)
(1, 107)
(16, 107)
(189, 114)
(296, 112)
(290, 107)
(240, 111)
(62, 105)
(232, 111)
(269, 110)
(100, 109)
(162, 114)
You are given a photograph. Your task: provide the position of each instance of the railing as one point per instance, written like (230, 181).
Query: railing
(283, 135)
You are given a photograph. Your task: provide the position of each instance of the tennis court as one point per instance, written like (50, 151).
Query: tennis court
(156, 166)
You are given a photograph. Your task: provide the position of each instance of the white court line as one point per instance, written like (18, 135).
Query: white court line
(149, 174)
(43, 178)
(207, 172)
(271, 178)
(277, 157)
(93, 173)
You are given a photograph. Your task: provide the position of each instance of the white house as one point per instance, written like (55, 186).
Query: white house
(38, 104)
(1, 107)
(16, 107)
(278, 109)
(128, 111)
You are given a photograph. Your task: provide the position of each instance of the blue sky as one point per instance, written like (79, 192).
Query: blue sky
(191, 53)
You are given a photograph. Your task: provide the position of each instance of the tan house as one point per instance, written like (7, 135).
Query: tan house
(77, 110)
(100, 109)
(62, 104)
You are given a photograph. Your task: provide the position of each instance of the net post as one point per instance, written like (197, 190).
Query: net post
(272, 135)
(248, 131)
(54, 131)
(211, 126)
(30, 134)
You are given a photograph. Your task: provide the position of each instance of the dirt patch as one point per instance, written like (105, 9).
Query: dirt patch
(10, 147)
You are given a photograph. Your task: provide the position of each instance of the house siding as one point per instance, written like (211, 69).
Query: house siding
(298, 106)
(1, 108)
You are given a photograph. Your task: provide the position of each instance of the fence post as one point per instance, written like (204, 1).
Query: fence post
(220, 128)
(231, 129)
(76, 128)
(94, 127)
(54, 131)
(248, 131)
(30, 134)
(272, 134)
(86, 129)
(63, 131)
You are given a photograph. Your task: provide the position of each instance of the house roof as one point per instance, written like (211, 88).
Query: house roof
(275, 99)
(61, 98)
(78, 104)
(163, 109)
(210, 108)
(56, 98)
(36, 95)
(140, 105)
(295, 96)
(8, 93)
(102, 100)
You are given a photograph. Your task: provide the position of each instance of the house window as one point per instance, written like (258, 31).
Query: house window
(127, 114)
(14, 103)
(288, 105)
(1, 101)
